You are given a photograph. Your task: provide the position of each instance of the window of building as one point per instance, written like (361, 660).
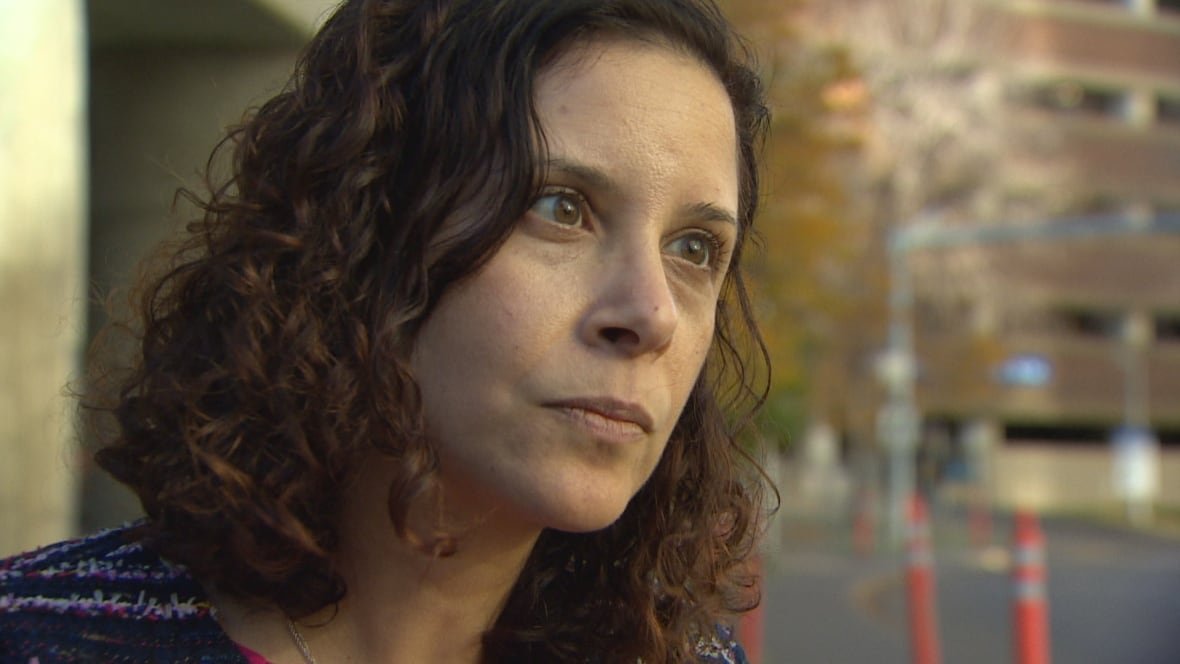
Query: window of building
(1089, 322)
(1142, 7)
(1099, 203)
(1167, 109)
(1054, 432)
(1168, 6)
(1112, 3)
(1167, 327)
(1073, 97)
(1137, 6)
(1066, 433)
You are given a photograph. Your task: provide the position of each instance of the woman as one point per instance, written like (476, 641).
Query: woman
(438, 376)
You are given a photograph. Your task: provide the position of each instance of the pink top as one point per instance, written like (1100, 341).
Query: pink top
(251, 656)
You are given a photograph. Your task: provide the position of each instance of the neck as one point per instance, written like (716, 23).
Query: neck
(403, 605)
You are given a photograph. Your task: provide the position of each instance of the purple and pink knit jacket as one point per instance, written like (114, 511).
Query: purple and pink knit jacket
(106, 598)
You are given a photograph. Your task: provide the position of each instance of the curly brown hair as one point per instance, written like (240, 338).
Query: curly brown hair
(274, 348)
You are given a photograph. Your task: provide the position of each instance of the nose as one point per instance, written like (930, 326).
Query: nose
(635, 311)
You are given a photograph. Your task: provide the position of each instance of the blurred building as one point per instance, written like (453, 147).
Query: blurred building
(1072, 338)
(1103, 76)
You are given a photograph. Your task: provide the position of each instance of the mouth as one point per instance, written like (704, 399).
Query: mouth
(612, 414)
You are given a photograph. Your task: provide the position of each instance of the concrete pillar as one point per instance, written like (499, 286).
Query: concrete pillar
(1137, 107)
(42, 264)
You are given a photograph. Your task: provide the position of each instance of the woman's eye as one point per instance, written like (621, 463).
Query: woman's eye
(698, 249)
(561, 207)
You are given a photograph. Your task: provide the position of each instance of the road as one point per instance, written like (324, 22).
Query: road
(1114, 598)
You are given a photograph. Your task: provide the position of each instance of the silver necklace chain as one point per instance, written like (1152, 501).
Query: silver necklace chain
(299, 642)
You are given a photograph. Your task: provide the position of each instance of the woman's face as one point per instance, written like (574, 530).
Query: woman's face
(552, 378)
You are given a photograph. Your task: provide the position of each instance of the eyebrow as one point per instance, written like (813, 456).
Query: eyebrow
(597, 179)
(704, 212)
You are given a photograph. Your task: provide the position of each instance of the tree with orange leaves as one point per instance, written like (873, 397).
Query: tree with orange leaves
(816, 296)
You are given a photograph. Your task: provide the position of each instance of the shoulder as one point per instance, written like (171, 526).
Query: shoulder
(106, 596)
(721, 648)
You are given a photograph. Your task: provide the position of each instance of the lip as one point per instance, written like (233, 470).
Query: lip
(610, 408)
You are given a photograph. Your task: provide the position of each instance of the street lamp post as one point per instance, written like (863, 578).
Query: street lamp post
(898, 420)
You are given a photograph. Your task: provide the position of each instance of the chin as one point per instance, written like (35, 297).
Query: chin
(586, 518)
(584, 526)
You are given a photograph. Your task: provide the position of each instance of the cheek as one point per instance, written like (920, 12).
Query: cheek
(500, 322)
(701, 335)
(690, 361)
(528, 299)
(455, 345)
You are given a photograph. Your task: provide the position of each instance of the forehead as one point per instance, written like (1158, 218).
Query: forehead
(623, 57)
(651, 112)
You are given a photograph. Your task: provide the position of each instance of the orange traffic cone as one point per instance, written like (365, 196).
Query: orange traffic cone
(924, 643)
(1030, 611)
